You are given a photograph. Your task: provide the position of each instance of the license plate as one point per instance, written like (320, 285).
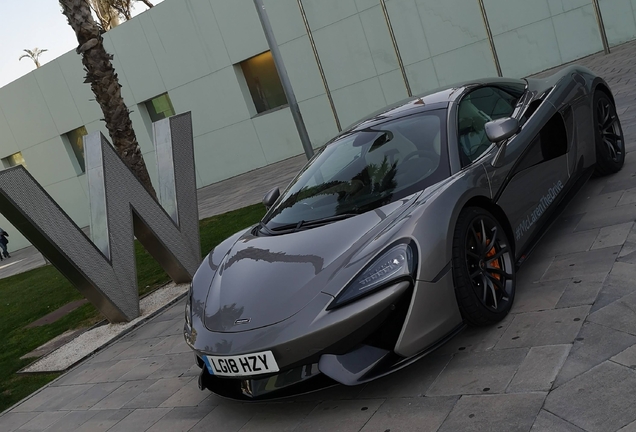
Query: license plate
(242, 365)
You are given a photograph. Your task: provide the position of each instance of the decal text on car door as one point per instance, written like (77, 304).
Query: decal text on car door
(543, 205)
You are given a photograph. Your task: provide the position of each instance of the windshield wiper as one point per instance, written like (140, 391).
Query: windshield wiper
(323, 221)
(293, 227)
(263, 227)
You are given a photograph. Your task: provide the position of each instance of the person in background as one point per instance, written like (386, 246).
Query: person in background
(3, 244)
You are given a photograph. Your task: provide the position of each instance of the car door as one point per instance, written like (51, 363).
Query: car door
(529, 180)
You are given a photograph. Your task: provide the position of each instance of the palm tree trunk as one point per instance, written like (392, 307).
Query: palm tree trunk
(105, 85)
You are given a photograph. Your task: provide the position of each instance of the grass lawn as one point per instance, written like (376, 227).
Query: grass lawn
(29, 296)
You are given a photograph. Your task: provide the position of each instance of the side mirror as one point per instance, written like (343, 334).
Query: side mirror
(270, 197)
(501, 129)
(497, 132)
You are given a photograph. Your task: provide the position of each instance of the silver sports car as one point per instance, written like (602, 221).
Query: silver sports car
(399, 232)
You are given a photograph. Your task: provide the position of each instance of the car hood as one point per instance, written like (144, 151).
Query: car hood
(263, 280)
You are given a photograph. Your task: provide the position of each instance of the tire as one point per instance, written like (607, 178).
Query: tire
(609, 139)
(483, 271)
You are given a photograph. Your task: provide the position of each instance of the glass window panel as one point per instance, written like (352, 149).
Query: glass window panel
(14, 160)
(160, 107)
(75, 138)
(263, 82)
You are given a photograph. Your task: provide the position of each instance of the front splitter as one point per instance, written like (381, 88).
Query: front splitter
(295, 382)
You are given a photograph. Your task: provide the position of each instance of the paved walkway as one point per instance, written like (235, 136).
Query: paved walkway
(563, 360)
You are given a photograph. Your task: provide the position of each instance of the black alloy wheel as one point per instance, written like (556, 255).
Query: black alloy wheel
(610, 143)
(483, 268)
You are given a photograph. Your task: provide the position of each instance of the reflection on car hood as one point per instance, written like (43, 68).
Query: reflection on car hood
(265, 280)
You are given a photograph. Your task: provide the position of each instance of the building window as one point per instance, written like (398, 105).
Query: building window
(263, 82)
(159, 107)
(76, 140)
(14, 160)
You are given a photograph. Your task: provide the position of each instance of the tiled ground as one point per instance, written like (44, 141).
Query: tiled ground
(563, 360)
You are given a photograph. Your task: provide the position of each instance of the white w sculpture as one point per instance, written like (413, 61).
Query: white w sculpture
(103, 270)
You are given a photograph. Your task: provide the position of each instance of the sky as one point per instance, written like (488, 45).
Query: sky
(27, 24)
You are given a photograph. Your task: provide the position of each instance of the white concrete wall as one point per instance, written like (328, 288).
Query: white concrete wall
(190, 49)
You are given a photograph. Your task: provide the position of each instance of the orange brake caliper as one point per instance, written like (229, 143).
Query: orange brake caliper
(495, 263)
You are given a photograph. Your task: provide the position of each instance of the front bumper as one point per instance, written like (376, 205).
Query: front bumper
(306, 346)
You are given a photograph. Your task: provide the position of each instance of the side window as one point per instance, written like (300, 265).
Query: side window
(475, 110)
(550, 143)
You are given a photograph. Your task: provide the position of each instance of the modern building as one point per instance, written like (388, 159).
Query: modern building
(345, 59)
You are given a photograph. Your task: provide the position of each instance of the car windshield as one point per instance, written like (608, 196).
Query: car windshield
(365, 169)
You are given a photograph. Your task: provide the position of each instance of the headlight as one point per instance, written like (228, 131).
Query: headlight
(188, 308)
(393, 264)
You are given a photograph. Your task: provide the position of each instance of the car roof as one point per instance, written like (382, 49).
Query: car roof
(435, 99)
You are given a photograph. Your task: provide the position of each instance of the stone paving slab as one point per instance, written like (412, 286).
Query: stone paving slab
(539, 369)
(593, 345)
(91, 396)
(548, 422)
(549, 327)
(560, 245)
(614, 235)
(158, 393)
(13, 420)
(340, 416)
(581, 290)
(617, 285)
(281, 418)
(627, 357)
(586, 203)
(601, 399)
(539, 296)
(478, 373)
(179, 419)
(607, 216)
(582, 263)
(104, 420)
(511, 413)
(140, 419)
(402, 385)
(43, 421)
(225, 418)
(620, 315)
(563, 360)
(474, 339)
(411, 414)
(629, 428)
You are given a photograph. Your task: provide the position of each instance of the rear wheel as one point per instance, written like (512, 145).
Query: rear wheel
(610, 143)
(483, 267)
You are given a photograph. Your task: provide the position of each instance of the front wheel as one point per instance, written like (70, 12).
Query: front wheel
(610, 143)
(483, 268)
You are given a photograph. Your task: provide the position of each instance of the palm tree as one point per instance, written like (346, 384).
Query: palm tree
(147, 3)
(109, 12)
(33, 55)
(105, 85)
(107, 15)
